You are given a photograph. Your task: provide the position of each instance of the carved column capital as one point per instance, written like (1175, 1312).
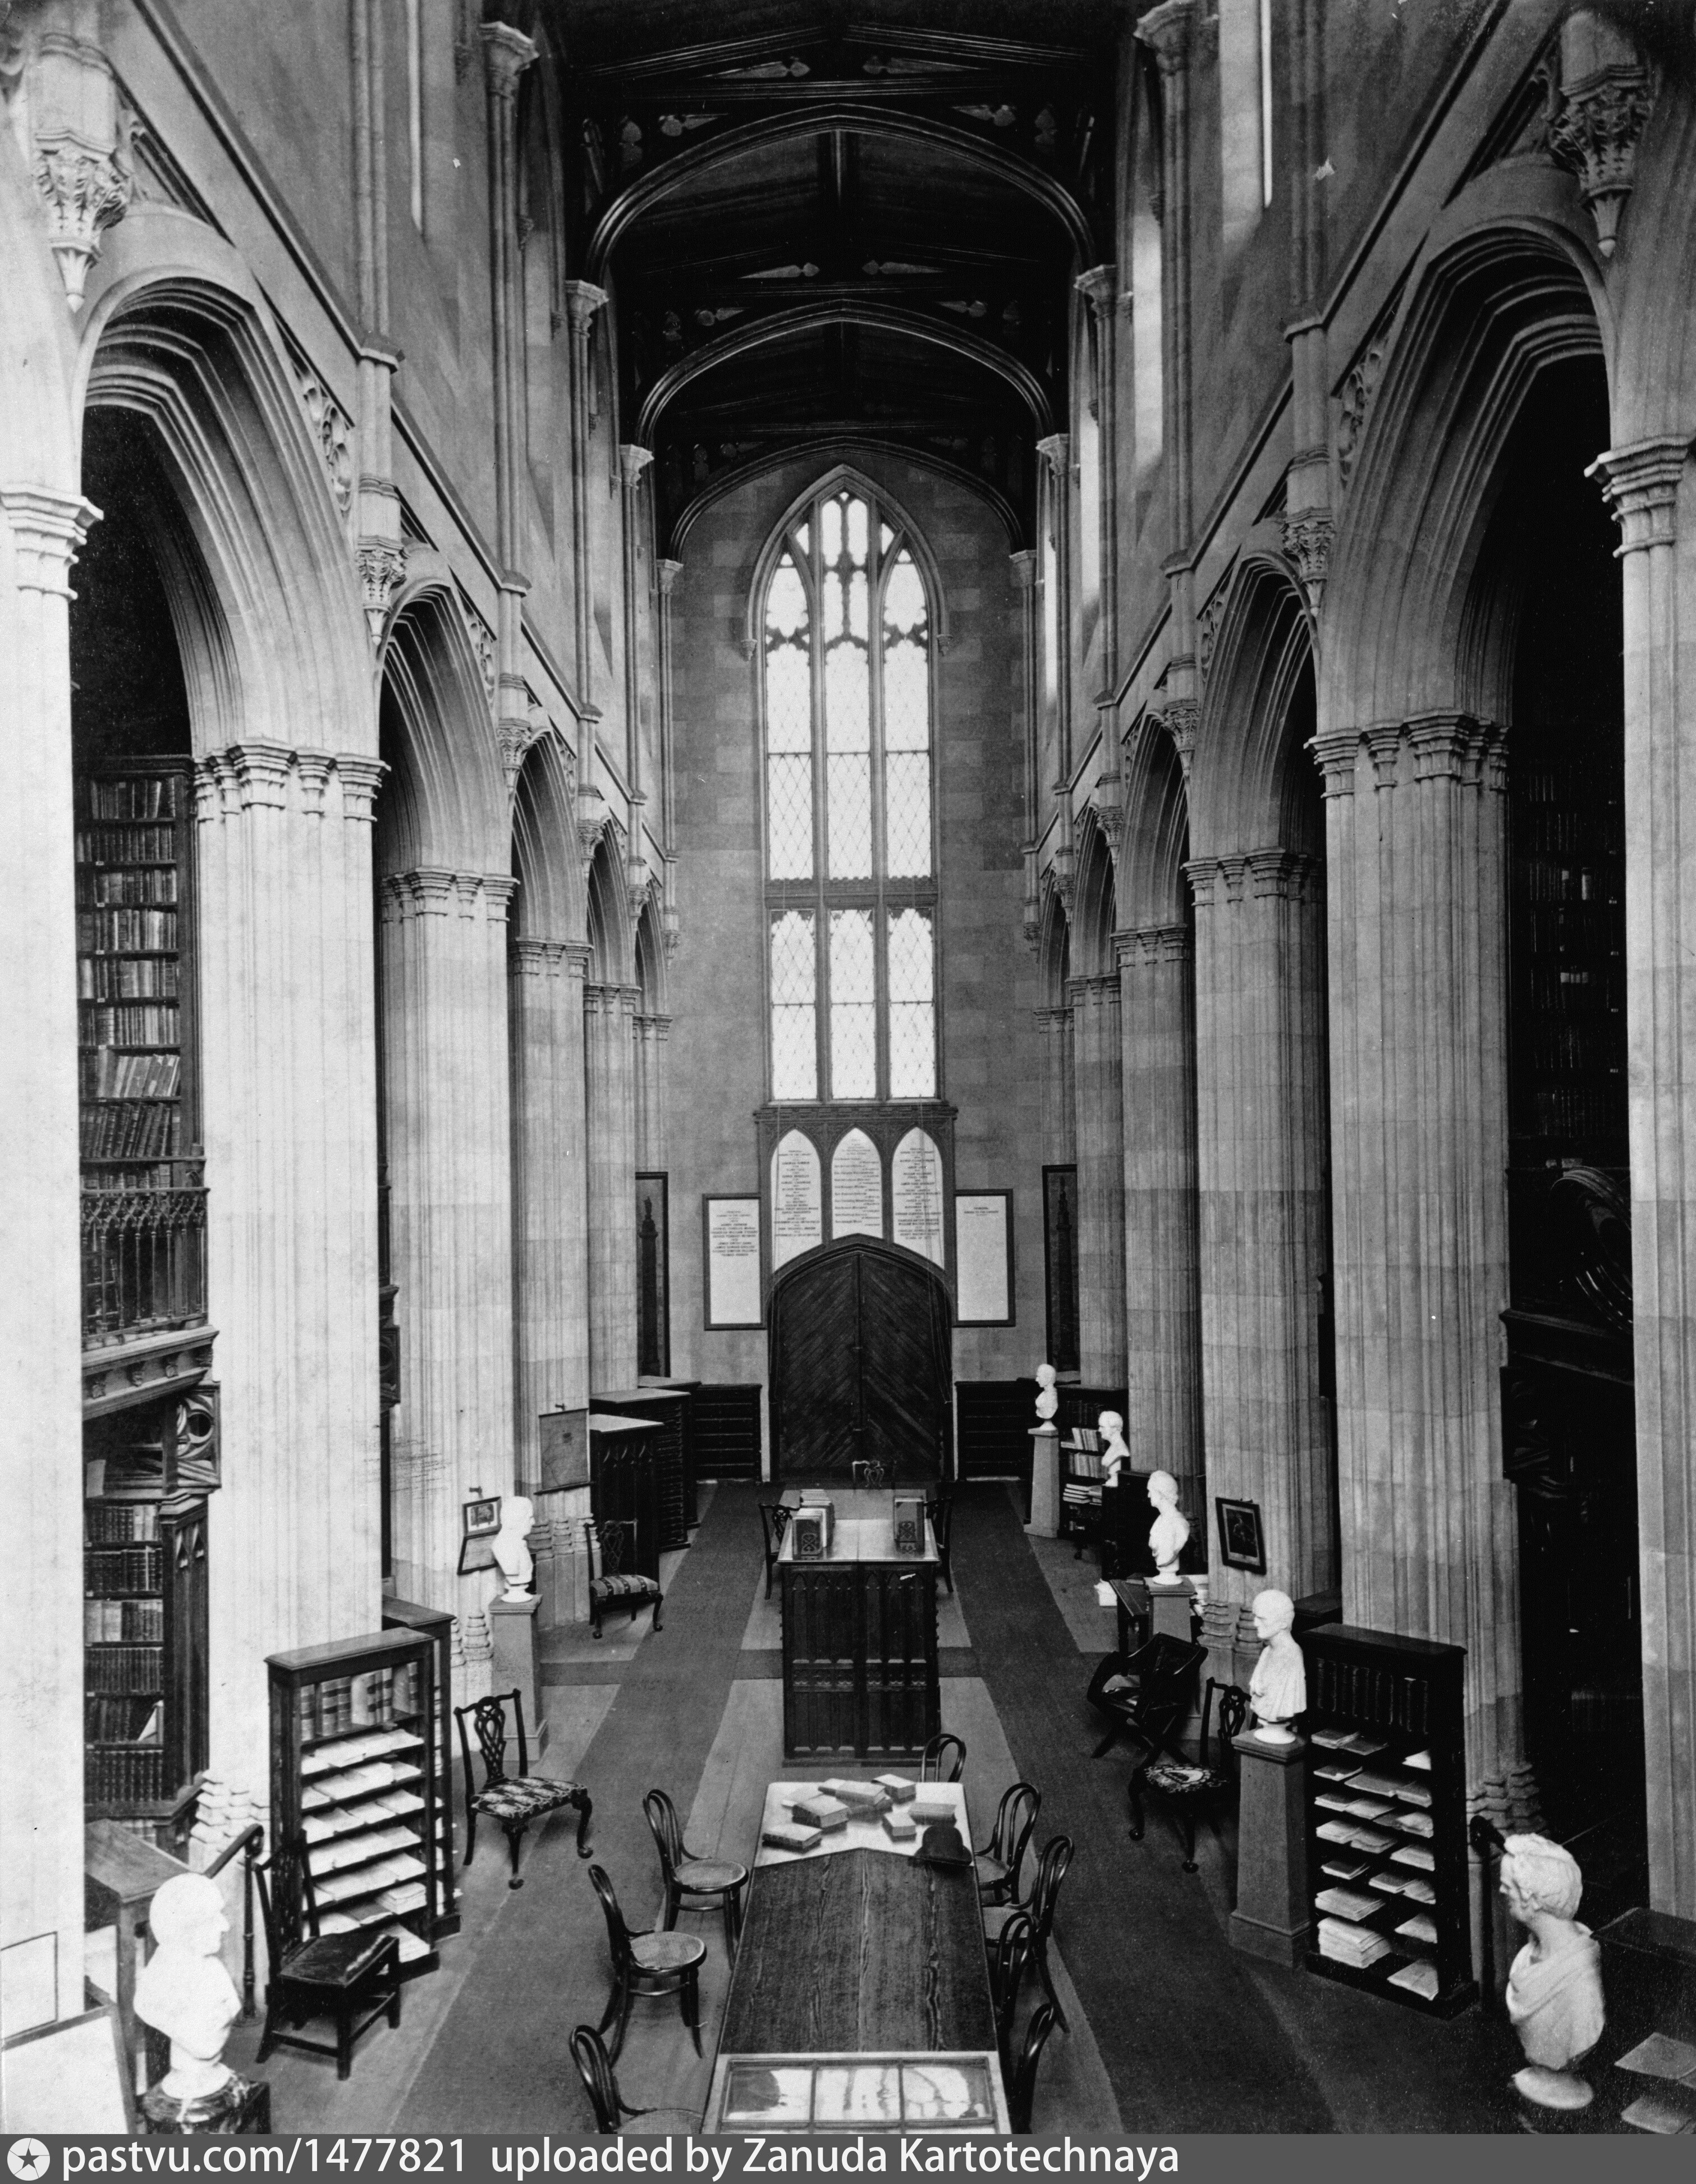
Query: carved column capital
(1055, 452)
(1607, 94)
(48, 529)
(1334, 752)
(1181, 717)
(1640, 485)
(1166, 30)
(1307, 542)
(1142, 947)
(1023, 565)
(360, 778)
(1455, 747)
(583, 300)
(507, 53)
(1099, 289)
(633, 461)
(75, 130)
(666, 574)
(382, 571)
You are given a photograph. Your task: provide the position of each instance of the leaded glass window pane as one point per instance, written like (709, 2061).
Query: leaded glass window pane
(788, 699)
(907, 802)
(853, 1006)
(789, 815)
(786, 603)
(903, 596)
(848, 737)
(912, 1006)
(794, 1010)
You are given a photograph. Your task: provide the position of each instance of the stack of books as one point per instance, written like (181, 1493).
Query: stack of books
(1345, 1943)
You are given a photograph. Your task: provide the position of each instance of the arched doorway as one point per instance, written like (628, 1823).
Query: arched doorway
(861, 1363)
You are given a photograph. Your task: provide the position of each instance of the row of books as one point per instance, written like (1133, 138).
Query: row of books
(1383, 1696)
(108, 1573)
(339, 1704)
(119, 1523)
(127, 977)
(121, 1774)
(134, 1023)
(138, 1720)
(116, 1129)
(125, 845)
(153, 797)
(124, 1622)
(109, 1076)
(125, 1669)
(97, 888)
(105, 931)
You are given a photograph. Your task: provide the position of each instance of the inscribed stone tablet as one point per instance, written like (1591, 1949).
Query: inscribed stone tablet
(798, 1198)
(917, 1177)
(856, 1188)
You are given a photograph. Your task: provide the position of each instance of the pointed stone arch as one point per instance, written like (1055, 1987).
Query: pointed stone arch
(1250, 784)
(551, 902)
(446, 803)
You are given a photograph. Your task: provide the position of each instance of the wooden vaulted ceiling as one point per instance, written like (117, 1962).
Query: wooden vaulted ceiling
(817, 229)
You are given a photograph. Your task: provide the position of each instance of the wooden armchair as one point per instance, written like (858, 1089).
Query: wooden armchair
(353, 1979)
(1191, 1790)
(1145, 1694)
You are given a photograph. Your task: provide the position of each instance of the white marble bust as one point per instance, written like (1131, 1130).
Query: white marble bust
(1277, 1690)
(1115, 1454)
(1047, 1402)
(1554, 1985)
(510, 1546)
(183, 1989)
(1169, 1531)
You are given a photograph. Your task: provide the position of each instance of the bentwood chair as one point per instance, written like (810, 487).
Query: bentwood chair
(774, 1523)
(1191, 1790)
(1021, 2080)
(942, 1515)
(944, 1759)
(646, 1963)
(1007, 1969)
(353, 1979)
(1045, 1890)
(512, 1800)
(719, 1880)
(595, 2068)
(999, 1860)
(617, 1582)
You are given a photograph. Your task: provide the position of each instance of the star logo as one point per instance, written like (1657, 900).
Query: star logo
(29, 2159)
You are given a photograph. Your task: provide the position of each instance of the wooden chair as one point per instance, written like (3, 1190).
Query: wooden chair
(1191, 1790)
(514, 1800)
(944, 1750)
(719, 1880)
(354, 1978)
(1039, 1909)
(774, 1522)
(873, 1471)
(1145, 1694)
(942, 1515)
(619, 1583)
(999, 1860)
(647, 1964)
(1007, 1969)
(595, 2068)
(1021, 2082)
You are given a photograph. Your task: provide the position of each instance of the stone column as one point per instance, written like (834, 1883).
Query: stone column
(1162, 1266)
(651, 1034)
(40, 1355)
(633, 462)
(609, 1065)
(1260, 1167)
(1642, 486)
(1028, 728)
(1059, 1097)
(1099, 288)
(1415, 855)
(1168, 30)
(583, 300)
(447, 1092)
(1055, 509)
(665, 576)
(550, 1190)
(1100, 1181)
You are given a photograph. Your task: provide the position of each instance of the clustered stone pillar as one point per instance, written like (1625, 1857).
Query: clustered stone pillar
(448, 1096)
(1060, 1101)
(1162, 1292)
(651, 1033)
(1415, 861)
(284, 842)
(1642, 484)
(1260, 1173)
(40, 1450)
(1100, 1180)
(550, 1190)
(609, 1063)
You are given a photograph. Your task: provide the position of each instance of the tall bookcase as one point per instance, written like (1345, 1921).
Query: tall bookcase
(355, 1780)
(1386, 1817)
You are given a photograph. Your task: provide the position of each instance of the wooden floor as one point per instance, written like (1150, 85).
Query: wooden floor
(1171, 2029)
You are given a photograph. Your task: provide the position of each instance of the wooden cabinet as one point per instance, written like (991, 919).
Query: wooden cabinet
(725, 1422)
(436, 1625)
(624, 1482)
(1386, 1817)
(356, 1776)
(859, 1647)
(674, 1481)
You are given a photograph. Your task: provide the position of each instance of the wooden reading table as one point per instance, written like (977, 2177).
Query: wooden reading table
(861, 1995)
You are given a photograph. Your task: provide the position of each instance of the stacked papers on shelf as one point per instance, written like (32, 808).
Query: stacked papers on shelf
(399, 1801)
(347, 1751)
(1347, 1903)
(1419, 1928)
(1346, 1869)
(1421, 1892)
(1347, 1739)
(1420, 1978)
(1332, 1804)
(1369, 1838)
(790, 1834)
(1370, 1809)
(1351, 1945)
(1412, 1824)
(1391, 1884)
(1421, 1759)
(1337, 1771)
(1336, 1831)
(1411, 1854)
(410, 1897)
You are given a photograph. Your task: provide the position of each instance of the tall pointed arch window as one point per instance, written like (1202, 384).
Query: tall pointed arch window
(850, 819)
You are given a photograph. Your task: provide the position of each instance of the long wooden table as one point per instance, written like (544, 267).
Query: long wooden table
(860, 2000)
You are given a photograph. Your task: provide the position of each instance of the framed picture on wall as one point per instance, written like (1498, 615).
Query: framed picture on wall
(730, 1242)
(480, 1520)
(1060, 1264)
(983, 1258)
(652, 1276)
(1242, 1539)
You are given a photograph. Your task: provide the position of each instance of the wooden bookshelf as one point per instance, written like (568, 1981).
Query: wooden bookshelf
(356, 1778)
(1387, 1769)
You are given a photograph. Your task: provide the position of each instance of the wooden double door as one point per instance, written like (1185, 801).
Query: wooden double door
(861, 1364)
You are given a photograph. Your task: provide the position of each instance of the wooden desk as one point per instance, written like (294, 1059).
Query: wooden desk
(860, 1678)
(122, 1874)
(860, 1998)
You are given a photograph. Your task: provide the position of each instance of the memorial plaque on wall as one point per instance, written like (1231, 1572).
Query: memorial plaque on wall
(916, 1178)
(731, 1228)
(797, 1199)
(856, 1188)
(983, 1253)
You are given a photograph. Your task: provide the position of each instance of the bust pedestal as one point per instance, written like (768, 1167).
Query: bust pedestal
(241, 2106)
(1271, 1919)
(516, 1666)
(1045, 1483)
(1172, 1610)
